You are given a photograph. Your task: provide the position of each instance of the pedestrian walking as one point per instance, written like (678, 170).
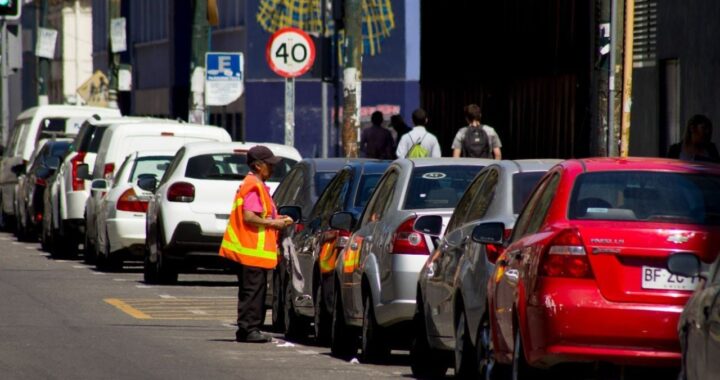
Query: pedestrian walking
(376, 141)
(476, 139)
(418, 142)
(250, 240)
(696, 144)
(398, 124)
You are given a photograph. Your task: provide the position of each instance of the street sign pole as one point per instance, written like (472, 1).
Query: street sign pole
(290, 111)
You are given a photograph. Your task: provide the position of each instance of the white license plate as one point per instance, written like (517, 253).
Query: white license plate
(661, 279)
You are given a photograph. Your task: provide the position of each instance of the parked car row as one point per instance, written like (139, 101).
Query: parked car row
(507, 266)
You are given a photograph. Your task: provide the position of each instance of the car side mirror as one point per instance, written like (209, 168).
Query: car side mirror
(147, 183)
(99, 185)
(18, 169)
(489, 233)
(52, 162)
(685, 264)
(343, 221)
(429, 224)
(294, 212)
(83, 172)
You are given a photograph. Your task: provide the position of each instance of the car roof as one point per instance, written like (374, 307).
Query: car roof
(642, 163)
(64, 108)
(204, 147)
(106, 121)
(442, 161)
(529, 165)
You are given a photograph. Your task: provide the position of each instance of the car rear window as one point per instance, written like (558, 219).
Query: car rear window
(322, 179)
(523, 185)
(438, 186)
(229, 166)
(155, 165)
(95, 139)
(647, 197)
(365, 189)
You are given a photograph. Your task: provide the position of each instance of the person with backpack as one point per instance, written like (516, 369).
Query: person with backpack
(418, 142)
(476, 140)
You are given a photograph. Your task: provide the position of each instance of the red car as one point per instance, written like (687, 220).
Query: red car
(584, 276)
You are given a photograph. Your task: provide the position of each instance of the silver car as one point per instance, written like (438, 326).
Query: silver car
(376, 274)
(451, 312)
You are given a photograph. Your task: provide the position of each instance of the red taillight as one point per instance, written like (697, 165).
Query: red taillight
(40, 182)
(343, 238)
(408, 241)
(108, 171)
(38, 217)
(181, 192)
(493, 251)
(129, 201)
(299, 227)
(566, 257)
(78, 184)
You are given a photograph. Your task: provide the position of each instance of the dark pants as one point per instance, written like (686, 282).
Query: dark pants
(251, 298)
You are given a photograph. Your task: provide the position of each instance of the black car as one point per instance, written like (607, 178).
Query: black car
(301, 187)
(312, 247)
(30, 202)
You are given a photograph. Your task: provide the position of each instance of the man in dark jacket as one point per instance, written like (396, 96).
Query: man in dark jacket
(376, 141)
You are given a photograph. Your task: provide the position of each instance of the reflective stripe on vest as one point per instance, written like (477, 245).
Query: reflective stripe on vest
(254, 252)
(328, 256)
(352, 255)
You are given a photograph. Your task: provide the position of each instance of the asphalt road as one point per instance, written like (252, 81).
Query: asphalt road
(60, 319)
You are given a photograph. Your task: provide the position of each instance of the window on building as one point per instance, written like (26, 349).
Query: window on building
(231, 13)
(151, 19)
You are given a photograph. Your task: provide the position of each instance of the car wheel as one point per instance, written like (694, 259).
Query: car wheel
(343, 341)
(295, 326)
(374, 346)
(45, 238)
(466, 364)
(161, 271)
(20, 230)
(520, 367)
(8, 221)
(425, 362)
(278, 302)
(323, 318)
(89, 251)
(106, 262)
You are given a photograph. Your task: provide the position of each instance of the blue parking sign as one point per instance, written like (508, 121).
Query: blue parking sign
(223, 78)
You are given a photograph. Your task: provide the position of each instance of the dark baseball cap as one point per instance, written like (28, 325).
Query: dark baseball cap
(262, 153)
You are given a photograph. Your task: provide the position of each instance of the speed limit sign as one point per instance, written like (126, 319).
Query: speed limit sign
(290, 52)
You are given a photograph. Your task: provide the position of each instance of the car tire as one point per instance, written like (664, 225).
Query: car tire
(295, 325)
(425, 362)
(107, 262)
(343, 340)
(322, 318)
(466, 356)
(278, 302)
(21, 232)
(45, 239)
(161, 271)
(374, 346)
(520, 368)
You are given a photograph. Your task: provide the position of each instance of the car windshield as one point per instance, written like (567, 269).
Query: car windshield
(438, 186)
(365, 189)
(322, 179)
(229, 166)
(647, 197)
(155, 165)
(523, 185)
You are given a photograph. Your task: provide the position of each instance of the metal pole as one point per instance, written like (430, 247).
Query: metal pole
(200, 31)
(290, 111)
(325, 121)
(627, 76)
(352, 77)
(114, 12)
(43, 63)
(615, 82)
(5, 90)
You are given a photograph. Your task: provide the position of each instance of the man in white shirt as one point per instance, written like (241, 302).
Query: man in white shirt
(418, 135)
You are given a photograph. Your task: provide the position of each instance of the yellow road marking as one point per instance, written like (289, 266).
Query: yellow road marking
(135, 313)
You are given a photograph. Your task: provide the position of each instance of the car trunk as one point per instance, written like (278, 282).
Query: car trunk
(629, 260)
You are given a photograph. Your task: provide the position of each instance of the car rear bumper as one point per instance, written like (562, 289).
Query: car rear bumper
(125, 233)
(75, 204)
(569, 322)
(189, 240)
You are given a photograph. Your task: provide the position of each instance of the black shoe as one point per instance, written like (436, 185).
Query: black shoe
(254, 336)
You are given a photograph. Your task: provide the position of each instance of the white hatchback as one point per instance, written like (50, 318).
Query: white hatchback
(120, 219)
(189, 211)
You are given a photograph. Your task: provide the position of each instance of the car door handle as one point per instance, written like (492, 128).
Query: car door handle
(512, 276)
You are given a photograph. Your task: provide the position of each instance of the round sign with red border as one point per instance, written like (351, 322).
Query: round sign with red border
(290, 52)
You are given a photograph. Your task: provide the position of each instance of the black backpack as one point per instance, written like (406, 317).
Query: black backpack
(476, 143)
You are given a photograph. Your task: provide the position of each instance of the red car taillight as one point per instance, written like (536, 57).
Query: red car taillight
(343, 238)
(493, 251)
(78, 184)
(129, 201)
(181, 192)
(408, 241)
(40, 182)
(566, 257)
(108, 171)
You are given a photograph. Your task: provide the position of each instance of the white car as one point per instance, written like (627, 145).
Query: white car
(30, 126)
(119, 140)
(189, 210)
(120, 219)
(66, 226)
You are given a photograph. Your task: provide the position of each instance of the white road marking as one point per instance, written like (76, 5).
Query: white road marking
(198, 312)
(167, 296)
(99, 273)
(31, 247)
(308, 352)
(80, 266)
(143, 286)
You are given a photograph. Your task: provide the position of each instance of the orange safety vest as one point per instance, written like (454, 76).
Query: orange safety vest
(352, 255)
(245, 243)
